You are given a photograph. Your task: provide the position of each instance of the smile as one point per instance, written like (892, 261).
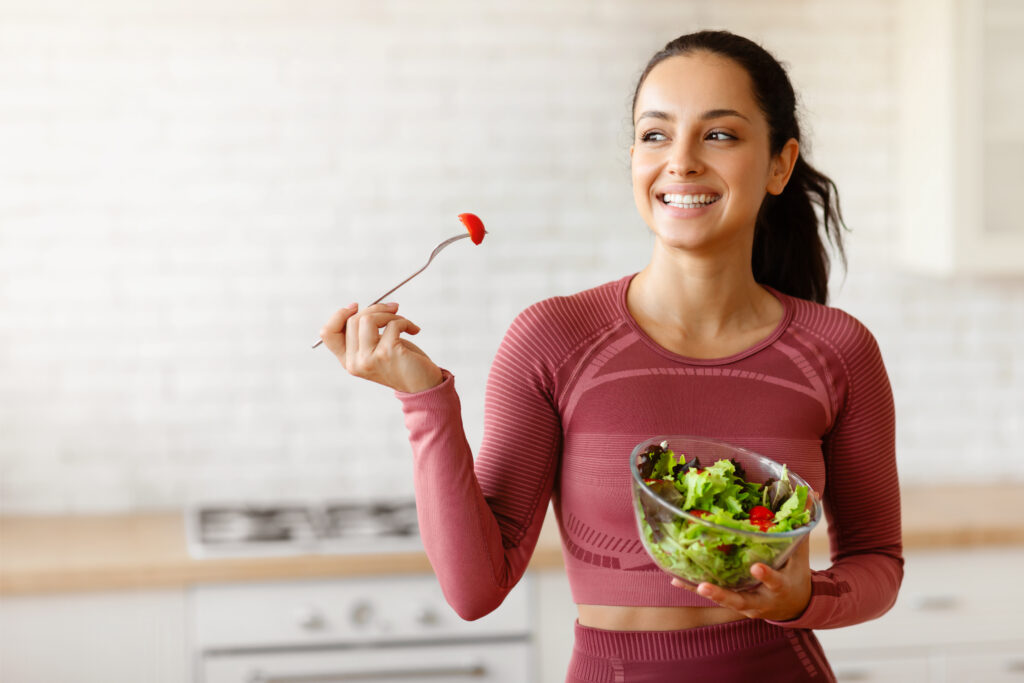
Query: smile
(690, 201)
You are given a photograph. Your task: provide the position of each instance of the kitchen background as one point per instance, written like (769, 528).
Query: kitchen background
(189, 189)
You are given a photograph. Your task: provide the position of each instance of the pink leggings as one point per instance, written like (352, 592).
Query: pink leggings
(749, 650)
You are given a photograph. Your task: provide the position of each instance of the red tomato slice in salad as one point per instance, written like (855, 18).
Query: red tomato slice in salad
(762, 517)
(474, 225)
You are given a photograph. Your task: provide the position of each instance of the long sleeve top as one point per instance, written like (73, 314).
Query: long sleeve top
(576, 384)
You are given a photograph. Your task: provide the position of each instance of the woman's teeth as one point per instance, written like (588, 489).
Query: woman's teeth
(690, 201)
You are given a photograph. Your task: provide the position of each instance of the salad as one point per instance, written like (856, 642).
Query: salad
(719, 494)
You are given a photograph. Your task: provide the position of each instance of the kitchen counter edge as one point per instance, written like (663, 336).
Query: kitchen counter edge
(54, 554)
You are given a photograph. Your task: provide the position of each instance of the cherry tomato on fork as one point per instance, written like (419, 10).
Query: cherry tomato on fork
(474, 225)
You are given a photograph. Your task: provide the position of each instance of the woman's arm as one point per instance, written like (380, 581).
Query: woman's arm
(479, 521)
(479, 524)
(862, 504)
(862, 499)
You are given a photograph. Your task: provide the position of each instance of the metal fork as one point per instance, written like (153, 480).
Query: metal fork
(437, 250)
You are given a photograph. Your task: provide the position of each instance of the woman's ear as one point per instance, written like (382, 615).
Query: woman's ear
(782, 166)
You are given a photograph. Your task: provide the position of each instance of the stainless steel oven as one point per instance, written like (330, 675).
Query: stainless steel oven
(392, 629)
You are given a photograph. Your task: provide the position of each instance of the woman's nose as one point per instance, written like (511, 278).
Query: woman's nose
(685, 159)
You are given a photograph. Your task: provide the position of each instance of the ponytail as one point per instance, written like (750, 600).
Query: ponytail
(789, 252)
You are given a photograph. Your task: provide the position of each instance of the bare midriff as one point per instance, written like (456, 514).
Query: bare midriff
(627, 618)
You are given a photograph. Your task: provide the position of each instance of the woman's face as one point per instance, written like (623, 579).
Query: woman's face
(701, 162)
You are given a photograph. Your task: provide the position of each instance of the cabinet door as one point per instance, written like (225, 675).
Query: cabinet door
(1006, 666)
(960, 172)
(123, 637)
(877, 670)
(492, 662)
(940, 606)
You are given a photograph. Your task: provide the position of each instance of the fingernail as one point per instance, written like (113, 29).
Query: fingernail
(353, 305)
(705, 591)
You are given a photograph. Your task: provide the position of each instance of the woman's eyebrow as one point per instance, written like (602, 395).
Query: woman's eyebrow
(709, 114)
(721, 113)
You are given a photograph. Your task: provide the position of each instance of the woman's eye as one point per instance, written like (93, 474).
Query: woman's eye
(720, 135)
(652, 136)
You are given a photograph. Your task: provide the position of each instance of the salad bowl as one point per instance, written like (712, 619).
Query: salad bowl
(707, 510)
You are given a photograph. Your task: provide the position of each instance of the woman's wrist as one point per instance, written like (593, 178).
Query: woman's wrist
(424, 382)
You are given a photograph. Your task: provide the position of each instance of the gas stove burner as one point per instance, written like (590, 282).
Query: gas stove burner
(239, 524)
(296, 528)
(371, 521)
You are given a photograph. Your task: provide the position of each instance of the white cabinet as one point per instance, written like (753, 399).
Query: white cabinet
(957, 618)
(394, 628)
(880, 670)
(494, 662)
(961, 135)
(110, 637)
(1002, 665)
(554, 621)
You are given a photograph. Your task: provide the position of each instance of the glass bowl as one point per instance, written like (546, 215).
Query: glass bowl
(691, 547)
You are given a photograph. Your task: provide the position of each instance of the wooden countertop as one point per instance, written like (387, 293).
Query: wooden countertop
(113, 552)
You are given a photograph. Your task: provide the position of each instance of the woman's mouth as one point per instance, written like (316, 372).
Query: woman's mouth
(689, 201)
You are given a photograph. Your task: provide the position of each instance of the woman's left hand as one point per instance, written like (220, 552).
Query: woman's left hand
(781, 595)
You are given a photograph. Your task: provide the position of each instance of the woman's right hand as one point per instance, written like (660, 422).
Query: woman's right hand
(354, 337)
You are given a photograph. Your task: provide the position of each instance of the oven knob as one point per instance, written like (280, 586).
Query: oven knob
(427, 616)
(310, 618)
(361, 614)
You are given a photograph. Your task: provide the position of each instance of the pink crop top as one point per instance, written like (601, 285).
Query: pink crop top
(576, 384)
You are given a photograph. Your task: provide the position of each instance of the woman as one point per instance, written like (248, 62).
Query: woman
(724, 334)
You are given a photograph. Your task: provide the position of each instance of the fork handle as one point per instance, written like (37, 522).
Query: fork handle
(437, 250)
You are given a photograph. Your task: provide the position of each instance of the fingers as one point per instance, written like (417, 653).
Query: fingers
(781, 595)
(393, 329)
(367, 350)
(723, 596)
(371, 321)
(678, 583)
(771, 579)
(361, 335)
(341, 333)
(333, 331)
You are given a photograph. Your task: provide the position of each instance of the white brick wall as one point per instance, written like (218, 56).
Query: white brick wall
(188, 189)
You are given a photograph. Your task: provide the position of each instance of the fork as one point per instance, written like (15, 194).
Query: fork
(437, 250)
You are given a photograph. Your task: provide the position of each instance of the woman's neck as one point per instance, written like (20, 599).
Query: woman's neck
(703, 308)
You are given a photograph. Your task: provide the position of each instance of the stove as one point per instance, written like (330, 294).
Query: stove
(338, 527)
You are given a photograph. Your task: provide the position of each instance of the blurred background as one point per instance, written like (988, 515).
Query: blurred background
(189, 189)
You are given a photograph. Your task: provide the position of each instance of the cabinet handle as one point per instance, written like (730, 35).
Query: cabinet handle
(1015, 666)
(934, 603)
(471, 670)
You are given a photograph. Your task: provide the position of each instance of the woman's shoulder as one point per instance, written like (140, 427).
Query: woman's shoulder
(596, 303)
(838, 330)
(575, 315)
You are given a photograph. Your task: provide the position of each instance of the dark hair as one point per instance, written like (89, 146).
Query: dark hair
(789, 253)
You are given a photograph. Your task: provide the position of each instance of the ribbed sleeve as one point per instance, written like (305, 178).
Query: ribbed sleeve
(862, 500)
(480, 521)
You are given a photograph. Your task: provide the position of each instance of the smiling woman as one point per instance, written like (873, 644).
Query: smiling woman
(741, 111)
(725, 335)
(701, 166)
